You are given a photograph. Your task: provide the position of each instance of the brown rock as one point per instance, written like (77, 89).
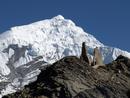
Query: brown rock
(97, 60)
(84, 56)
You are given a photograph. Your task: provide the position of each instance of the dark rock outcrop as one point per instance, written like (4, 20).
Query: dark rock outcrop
(84, 56)
(71, 77)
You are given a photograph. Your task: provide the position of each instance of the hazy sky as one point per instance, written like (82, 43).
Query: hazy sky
(107, 20)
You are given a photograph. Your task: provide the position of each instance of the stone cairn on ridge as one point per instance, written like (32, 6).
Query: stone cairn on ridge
(97, 57)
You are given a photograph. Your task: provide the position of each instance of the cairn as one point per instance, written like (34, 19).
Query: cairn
(97, 57)
(84, 56)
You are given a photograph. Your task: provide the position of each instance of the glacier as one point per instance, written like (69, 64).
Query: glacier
(25, 49)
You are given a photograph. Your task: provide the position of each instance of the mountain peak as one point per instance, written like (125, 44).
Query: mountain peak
(52, 39)
(59, 17)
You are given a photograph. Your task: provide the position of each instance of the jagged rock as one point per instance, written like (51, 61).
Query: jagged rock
(97, 61)
(71, 77)
(84, 53)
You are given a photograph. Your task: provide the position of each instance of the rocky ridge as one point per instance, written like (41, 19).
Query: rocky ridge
(72, 77)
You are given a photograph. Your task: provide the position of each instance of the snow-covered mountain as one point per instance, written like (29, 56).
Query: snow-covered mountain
(25, 49)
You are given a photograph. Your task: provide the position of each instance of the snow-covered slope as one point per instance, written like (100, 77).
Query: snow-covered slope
(24, 49)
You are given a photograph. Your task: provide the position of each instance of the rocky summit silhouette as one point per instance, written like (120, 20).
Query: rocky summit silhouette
(72, 77)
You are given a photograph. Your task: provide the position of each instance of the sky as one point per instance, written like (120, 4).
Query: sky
(107, 20)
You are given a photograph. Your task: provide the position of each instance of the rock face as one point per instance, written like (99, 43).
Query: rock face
(71, 77)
